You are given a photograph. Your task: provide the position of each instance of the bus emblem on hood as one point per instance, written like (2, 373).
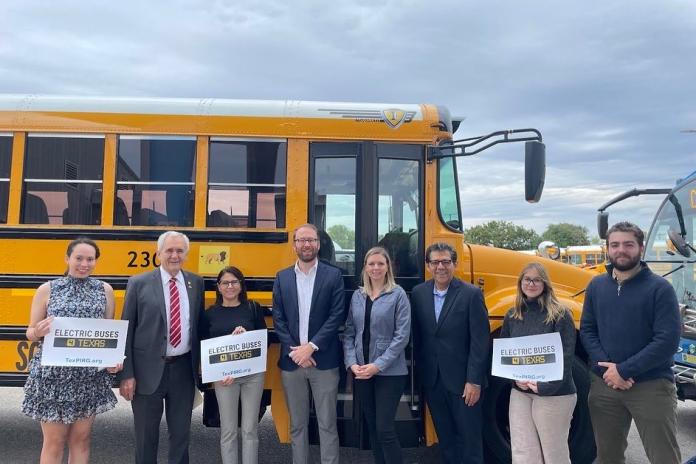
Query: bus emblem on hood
(393, 117)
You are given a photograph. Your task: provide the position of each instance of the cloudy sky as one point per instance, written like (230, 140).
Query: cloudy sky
(611, 85)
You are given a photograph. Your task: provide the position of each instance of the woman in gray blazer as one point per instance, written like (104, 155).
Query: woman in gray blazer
(376, 334)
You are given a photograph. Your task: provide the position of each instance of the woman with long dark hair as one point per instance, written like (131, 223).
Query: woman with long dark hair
(233, 313)
(540, 412)
(66, 399)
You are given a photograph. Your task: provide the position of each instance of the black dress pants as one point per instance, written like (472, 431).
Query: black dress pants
(378, 399)
(458, 426)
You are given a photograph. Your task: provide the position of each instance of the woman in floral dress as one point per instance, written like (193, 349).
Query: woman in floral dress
(66, 399)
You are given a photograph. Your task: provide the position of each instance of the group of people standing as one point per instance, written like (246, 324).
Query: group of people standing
(630, 329)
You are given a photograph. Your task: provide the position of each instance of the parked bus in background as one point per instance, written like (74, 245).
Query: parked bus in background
(238, 177)
(591, 257)
(584, 255)
(670, 252)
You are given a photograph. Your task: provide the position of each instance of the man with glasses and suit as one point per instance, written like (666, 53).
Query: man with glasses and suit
(163, 307)
(451, 334)
(308, 309)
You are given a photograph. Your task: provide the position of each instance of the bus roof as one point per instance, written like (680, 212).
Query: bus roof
(214, 116)
(202, 106)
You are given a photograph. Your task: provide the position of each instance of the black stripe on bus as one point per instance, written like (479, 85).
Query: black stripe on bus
(12, 332)
(251, 236)
(13, 380)
(119, 282)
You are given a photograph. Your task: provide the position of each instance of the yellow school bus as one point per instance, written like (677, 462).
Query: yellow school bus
(237, 177)
(584, 255)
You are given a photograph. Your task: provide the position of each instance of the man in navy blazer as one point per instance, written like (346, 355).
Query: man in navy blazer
(308, 309)
(451, 336)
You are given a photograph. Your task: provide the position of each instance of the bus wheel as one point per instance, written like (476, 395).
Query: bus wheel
(496, 427)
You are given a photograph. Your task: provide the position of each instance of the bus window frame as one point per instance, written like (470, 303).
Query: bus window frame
(192, 184)
(284, 185)
(25, 180)
(367, 196)
(457, 194)
(7, 179)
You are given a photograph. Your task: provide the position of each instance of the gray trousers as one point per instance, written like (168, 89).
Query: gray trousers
(324, 386)
(175, 392)
(653, 407)
(250, 389)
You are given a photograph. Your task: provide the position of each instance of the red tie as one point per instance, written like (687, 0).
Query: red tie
(174, 314)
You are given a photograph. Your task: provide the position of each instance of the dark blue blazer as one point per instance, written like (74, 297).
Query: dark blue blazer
(456, 345)
(327, 314)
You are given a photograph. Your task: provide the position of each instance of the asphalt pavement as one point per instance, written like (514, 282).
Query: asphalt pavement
(112, 439)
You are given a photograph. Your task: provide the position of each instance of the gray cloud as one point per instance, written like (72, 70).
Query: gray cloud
(610, 85)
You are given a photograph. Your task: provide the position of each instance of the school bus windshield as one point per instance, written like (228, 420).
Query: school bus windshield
(658, 254)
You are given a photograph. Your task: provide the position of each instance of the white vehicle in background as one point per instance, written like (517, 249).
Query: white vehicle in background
(343, 256)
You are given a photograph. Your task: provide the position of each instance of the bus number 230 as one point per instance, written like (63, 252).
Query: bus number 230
(142, 259)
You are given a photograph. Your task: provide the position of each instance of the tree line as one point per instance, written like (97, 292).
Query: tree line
(500, 234)
(505, 234)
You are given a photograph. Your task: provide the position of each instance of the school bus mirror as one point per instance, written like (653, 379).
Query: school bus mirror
(679, 243)
(534, 170)
(602, 224)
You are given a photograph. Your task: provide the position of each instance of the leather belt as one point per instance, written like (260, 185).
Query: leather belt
(171, 359)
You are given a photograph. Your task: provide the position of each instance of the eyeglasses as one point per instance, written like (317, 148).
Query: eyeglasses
(228, 283)
(437, 262)
(536, 281)
(310, 241)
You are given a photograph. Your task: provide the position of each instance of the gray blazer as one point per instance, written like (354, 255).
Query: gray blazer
(146, 345)
(390, 328)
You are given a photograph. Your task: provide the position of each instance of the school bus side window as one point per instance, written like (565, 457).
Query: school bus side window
(5, 158)
(63, 179)
(155, 181)
(246, 183)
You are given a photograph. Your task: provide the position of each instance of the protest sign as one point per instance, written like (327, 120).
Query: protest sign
(234, 355)
(84, 342)
(535, 357)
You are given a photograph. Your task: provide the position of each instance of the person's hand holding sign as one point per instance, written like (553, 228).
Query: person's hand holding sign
(42, 328)
(117, 368)
(229, 380)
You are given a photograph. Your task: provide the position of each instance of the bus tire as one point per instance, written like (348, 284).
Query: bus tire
(496, 429)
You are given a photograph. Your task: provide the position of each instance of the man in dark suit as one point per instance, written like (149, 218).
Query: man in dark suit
(163, 307)
(308, 309)
(451, 334)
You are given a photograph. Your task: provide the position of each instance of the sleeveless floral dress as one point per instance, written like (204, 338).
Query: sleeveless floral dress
(69, 394)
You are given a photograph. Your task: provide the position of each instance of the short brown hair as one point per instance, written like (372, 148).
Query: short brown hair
(629, 227)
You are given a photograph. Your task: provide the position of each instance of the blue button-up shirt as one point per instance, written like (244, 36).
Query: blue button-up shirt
(439, 298)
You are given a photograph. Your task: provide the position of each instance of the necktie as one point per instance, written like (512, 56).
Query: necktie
(174, 314)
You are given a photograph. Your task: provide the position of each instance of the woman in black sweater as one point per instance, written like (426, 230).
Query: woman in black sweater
(540, 412)
(233, 313)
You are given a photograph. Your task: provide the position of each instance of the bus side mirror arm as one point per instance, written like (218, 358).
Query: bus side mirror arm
(459, 147)
(603, 216)
(534, 156)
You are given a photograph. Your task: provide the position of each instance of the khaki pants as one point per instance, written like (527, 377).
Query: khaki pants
(539, 427)
(653, 407)
(249, 389)
(324, 390)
